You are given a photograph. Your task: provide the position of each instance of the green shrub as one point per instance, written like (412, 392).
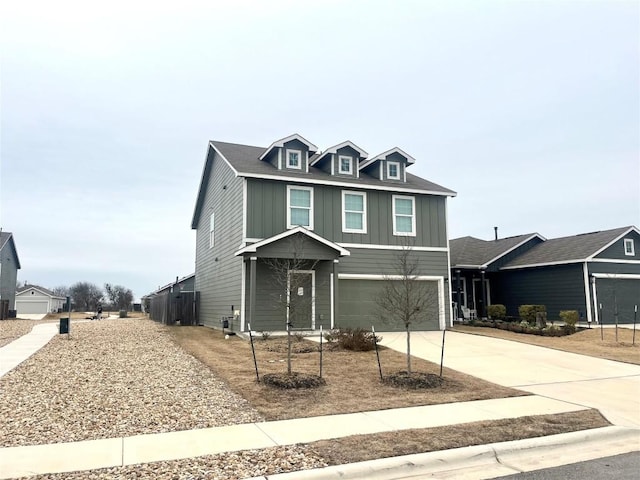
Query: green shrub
(356, 339)
(570, 319)
(497, 311)
(266, 335)
(123, 314)
(528, 312)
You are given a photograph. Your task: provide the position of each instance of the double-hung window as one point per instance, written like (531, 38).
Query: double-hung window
(294, 159)
(299, 207)
(629, 247)
(354, 212)
(345, 164)
(393, 170)
(212, 238)
(404, 216)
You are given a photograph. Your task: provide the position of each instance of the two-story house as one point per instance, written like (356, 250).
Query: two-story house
(9, 266)
(345, 214)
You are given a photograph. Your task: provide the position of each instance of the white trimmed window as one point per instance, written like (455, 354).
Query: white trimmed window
(404, 216)
(299, 207)
(629, 247)
(354, 212)
(212, 238)
(294, 159)
(345, 164)
(393, 170)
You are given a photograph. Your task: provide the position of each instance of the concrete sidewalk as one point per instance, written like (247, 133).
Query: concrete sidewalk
(16, 352)
(93, 454)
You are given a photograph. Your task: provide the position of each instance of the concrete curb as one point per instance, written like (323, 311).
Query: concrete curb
(484, 461)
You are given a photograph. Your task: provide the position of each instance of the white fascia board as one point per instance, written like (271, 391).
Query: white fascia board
(618, 276)
(545, 264)
(383, 155)
(254, 246)
(513, 248)
(33, 288)
(614, 260)
(282, 141)
(392, 247)
(357, 186)
(375, 276)
(468, 267)
(623, 234)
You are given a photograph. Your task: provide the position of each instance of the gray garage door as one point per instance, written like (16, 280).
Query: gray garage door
(621, 292)
(26, 307)
(357, 307)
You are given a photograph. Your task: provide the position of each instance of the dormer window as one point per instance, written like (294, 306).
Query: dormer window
(346, 164)
(294, 159)
(629, 247)
(393, 170)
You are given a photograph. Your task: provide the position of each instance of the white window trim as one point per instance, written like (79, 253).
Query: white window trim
(296, 187)
(413, 217)
(345, 229)
(632, 252)
(299, 152)
(350, 159)
(212, 237)
(397, 164)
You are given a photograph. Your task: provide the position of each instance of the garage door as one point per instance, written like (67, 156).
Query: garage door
(621, 292)
(27, 307)
(357, 307)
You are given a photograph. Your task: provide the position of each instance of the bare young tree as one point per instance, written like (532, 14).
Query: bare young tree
(86, 295)
(404, 298)
(61, 290)
(120, 297)
(294, 298)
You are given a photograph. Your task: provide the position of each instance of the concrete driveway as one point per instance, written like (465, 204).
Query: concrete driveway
(611, 387)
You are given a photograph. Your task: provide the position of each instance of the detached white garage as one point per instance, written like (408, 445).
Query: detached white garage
(32, 299)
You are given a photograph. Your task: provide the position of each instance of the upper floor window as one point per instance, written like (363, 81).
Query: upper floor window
(629, 247)
(404, 216)
(354, 212)
(299, 207)
(346, 164)
(393, 170)
(212, 238)
(294, 159)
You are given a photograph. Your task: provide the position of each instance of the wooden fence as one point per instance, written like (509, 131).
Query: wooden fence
(172, 308)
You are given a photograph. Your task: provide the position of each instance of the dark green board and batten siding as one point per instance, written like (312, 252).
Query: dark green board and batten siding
(218, 271)
(267, 215)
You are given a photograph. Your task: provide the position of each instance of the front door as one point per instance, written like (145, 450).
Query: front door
(301, 311)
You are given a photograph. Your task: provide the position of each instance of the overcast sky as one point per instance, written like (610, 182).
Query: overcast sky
(529, 110)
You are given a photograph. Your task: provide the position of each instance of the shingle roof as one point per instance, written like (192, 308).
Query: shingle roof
(37, 287)
(568, 249)
(474, 252)
(244, 159)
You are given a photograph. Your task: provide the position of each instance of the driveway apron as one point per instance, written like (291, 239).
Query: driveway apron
(611, 387)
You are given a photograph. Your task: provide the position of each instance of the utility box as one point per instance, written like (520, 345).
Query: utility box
(64, 325)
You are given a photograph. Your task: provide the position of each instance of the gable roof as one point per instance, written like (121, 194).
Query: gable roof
(471, 252)
(6, 237)
(335, 149)
(282, 141)
(383, 155)
(43, 290)
(572, 249)
(254, 246)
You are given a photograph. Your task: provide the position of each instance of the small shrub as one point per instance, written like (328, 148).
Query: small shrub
(528, 312)
(524, 324)
(570, 319)
(497, 311)
(298, 336)
(123, 314)
(330, 336)
(266, 335)
(356, 339)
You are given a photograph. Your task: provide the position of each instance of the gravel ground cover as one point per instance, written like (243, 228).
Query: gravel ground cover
(113, 378)
(228, 466)
(13, 329)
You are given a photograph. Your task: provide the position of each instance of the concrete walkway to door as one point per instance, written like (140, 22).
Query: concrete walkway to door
(611, 387)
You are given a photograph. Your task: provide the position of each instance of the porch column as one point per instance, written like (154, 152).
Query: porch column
(336, 263)
(252, 289)
(483, 286)
(458, 299)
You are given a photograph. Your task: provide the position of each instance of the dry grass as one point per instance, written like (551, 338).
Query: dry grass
(353, 383)
(585, 342)
(359, 448)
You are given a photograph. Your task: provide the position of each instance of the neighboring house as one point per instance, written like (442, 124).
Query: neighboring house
(32, 299)
(9, 266)
(350, 214)
(176, 301)
(580, 272)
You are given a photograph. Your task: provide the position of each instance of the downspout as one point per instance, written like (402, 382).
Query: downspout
(595, 299)
(587, 297)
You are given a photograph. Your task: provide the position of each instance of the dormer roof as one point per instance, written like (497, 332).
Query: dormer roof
(383, 155)
(280, 143)
(337, 147)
